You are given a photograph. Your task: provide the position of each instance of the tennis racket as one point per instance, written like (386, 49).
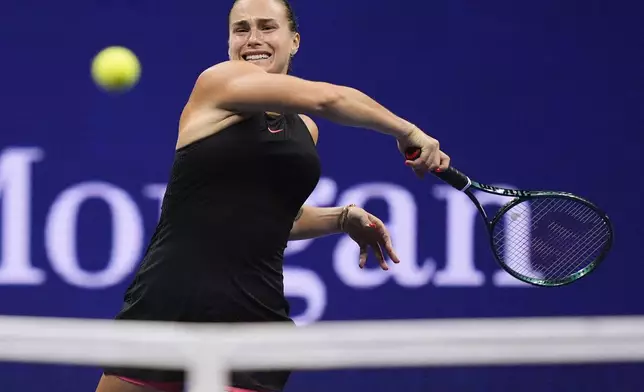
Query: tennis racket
(544, 238)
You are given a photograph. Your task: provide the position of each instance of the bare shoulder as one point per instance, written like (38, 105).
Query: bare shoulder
(213, 79)
(218, 74)
(229, 67)
(311, 125)
(201, 116)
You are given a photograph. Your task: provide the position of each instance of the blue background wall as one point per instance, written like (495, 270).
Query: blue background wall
(531, 94)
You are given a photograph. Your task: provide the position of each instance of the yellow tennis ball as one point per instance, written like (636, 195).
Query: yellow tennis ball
(116, 68)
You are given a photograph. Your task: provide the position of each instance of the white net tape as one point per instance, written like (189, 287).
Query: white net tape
(207, 352)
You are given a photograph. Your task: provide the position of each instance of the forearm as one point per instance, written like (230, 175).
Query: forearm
(351, 107)
(313, 222)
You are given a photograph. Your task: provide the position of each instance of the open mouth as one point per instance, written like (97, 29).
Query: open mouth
(256, 56)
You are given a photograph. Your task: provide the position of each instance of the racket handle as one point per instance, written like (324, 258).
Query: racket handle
(451, 176)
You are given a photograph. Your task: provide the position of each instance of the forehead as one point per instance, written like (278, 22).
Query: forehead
(250, 10)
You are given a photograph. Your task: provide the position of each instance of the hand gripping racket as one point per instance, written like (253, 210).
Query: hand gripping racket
(544, 238)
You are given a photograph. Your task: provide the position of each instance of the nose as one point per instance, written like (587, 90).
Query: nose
(255, 37)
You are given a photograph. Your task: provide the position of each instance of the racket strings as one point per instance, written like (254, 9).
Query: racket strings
(560, 269)
(584, 248)
(550, 250)
(580, 245)
(517, 212)
(560, 234)
(518, 233)
(550, 238)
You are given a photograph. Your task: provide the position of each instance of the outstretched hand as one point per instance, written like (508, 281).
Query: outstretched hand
(369, 232)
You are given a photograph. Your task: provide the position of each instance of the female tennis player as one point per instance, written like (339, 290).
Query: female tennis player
(245, 163)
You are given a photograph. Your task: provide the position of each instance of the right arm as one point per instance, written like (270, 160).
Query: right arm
(237, 86)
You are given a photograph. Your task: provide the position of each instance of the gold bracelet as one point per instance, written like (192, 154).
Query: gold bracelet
(343, 216)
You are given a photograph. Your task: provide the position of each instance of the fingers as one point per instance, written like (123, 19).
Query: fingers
(435, 161)
(383, 242)
(380, 256)
(364, 250)
(423, 154)
(384, 239)
(363, 255)
(373, 234)
(373, 244)
(444, 162)
(389, 248)
(429, 159)
(419, 166)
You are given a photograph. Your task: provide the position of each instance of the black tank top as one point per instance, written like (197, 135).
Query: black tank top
(217, 252)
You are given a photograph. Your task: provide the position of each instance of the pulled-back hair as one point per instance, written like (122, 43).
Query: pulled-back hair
(290, 15)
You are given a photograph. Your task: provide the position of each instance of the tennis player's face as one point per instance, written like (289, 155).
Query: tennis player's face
(259, 33)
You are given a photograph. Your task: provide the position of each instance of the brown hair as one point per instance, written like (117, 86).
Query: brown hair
(290, 15)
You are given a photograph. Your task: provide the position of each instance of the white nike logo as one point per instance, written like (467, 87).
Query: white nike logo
(274, 130)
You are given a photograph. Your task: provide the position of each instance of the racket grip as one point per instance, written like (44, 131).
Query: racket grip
(451, 176)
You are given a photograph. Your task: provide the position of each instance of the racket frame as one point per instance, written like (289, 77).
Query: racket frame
(519, 197)
(463, 183)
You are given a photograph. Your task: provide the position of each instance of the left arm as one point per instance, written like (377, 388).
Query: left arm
(364, 228)
(313, 222)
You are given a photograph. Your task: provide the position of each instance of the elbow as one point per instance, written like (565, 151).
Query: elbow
(328, 99)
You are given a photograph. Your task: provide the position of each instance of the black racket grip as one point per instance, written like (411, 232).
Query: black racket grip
(451, 176)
